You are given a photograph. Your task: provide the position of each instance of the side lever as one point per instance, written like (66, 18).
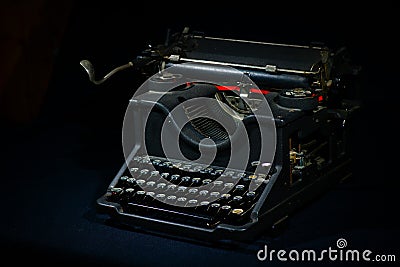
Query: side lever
(87, 65)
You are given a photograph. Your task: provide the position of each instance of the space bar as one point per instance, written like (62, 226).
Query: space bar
(140, 207)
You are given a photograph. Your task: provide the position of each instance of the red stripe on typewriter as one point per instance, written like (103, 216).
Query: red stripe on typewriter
(259, 91)
(228, 88)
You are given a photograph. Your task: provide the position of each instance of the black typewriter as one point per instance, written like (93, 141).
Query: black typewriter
(226, 138)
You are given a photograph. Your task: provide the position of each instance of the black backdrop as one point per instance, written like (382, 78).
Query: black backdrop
(56, 167)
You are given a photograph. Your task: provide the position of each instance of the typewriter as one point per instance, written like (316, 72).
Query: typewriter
(226, 138)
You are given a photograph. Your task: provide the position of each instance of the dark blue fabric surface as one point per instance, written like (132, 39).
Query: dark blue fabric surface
(54, 170)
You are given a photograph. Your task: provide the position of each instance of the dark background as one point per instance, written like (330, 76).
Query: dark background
(61, 135)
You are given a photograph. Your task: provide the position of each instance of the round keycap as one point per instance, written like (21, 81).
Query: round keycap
(251, 195)
(150, 183)
(154, 173)
(218, 183)
(151, 194)
(214, 194)
(144, 171)
(175, 177)
(239, 187)
(225, 196)
(203, 192)
(171, 187)
(206, 181)
(182, 188)
(140, 182)
(161, 185)
(237, 211)
(237, 198)
(214, 207)
(196, 181)
(131, 181)
(193, 190)
(129, 190)
(186, 179)
(192, 201)
(170, 198)
(181, 199)
(160, 196)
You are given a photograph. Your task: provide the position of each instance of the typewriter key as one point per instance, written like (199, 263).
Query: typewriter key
(186, 179)
(129, 190)
(196, 181)
(164, 175)
(123, 180)
(214, 207)
(133, 170)
(237, 199)
(241, 175)
(239, 188)
(154, 173)
(137, 158)
(192, 202)
(144, 171)
(237, 211)
(160, 197)
(161, 185)
(171, 187)
(218, 183)
(215, 194)
(225, 198)
(204, 203)
(139, 196)
(177, 165)
(156, 162)
(114, 194)
(206, 181)
(224, 210)
(228, 185)
(249, 178)
(171, 198)
(255, 163)
(230, 173)
(128, 194)
(203, 192)
(252, 177)
(186, 167)
(193, 190)
(145, 160)
(150, 183)
(131, 182)
(181, 188)
(116, 191)
(203, 171)
(181, 200)
(214, 174)
(250, 195)
(150, 194)
(140, 182)
(175, 177)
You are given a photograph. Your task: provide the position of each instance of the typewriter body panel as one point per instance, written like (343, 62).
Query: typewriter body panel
(306, 88)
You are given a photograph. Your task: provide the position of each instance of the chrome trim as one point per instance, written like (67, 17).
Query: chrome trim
(257, 42)
(264, 68)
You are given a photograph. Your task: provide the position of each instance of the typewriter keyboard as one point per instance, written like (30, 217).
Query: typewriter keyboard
(186, 193)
